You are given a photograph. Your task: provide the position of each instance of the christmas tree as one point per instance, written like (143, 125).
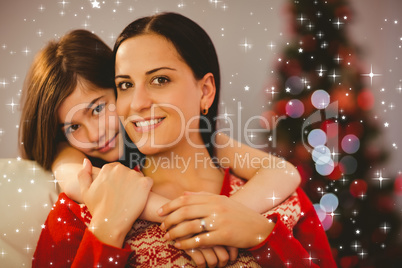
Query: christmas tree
(321, 121)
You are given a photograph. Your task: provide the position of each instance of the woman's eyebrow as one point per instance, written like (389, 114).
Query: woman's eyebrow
(124, 76)
(158, 69)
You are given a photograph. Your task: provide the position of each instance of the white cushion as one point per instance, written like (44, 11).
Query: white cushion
(27, 193)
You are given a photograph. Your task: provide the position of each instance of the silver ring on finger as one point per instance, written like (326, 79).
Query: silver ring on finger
(203, 225)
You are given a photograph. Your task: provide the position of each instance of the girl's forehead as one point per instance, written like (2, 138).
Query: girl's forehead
(86, 89)
(83, 97)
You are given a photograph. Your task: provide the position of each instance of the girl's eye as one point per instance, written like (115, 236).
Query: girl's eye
(160, 81)
(124, 85)
(98, 109)
(72, 128)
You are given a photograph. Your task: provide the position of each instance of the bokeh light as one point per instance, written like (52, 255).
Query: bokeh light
(365, 100)
(320, 212)
(358, 188)
(294, 84)
(398, 185)
(329, 202)
(320, 99)
(350, 144)
(327, 222)
(321, 155)
(317, 137)
(348, 165)
(294, 108)
(326, 168)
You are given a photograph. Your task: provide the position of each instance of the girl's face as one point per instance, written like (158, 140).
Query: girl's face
(89, 120)
(158, 96)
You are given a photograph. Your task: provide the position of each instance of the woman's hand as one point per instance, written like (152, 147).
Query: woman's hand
(213, 220)
(217, 256)
(115, 199)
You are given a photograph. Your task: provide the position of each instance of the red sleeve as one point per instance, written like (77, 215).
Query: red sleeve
(306, 247)
(65, 241)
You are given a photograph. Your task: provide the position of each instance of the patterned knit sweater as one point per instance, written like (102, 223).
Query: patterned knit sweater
(65, 240)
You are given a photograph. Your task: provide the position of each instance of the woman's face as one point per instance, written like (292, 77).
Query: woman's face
(89, 120)
(158, 96)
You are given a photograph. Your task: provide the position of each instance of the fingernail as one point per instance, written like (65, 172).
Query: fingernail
(162, 226)
(84, 162)
(160, 211)
(167, 236)
(177, 244)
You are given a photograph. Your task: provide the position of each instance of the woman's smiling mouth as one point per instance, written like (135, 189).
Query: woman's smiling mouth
(147, 125)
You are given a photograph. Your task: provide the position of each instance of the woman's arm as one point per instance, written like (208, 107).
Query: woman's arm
(204, 219)
(270, 179)
(227, 222)
(68, 163)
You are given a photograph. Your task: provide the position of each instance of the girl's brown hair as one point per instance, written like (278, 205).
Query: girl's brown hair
(51, 79)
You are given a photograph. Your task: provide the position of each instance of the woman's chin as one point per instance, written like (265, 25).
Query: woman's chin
(151, 150)
(148, 151)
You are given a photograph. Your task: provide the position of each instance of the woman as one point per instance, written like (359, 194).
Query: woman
(167, 69)
(65, 78)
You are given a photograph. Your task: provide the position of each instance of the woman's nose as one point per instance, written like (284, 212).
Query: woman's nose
(140, 99)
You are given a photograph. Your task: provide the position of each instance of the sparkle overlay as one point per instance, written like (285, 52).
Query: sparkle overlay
(331, 132)
(22, 215)
(246, 38)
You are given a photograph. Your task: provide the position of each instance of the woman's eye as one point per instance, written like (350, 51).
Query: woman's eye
(124, 85)
(72, 128)
(160, 80)
(98, 109)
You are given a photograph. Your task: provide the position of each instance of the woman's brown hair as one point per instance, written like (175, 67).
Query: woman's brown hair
(194, 46)
(51, 79)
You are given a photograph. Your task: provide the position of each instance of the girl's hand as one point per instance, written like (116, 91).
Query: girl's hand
(213, 220)
(115, 199)
(217, 256)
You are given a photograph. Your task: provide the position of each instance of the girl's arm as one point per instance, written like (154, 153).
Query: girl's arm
(270, 179)
(65, 167)
(68, 163)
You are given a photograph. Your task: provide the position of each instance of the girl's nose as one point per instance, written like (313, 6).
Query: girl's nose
(93, 134)
(96, 129)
